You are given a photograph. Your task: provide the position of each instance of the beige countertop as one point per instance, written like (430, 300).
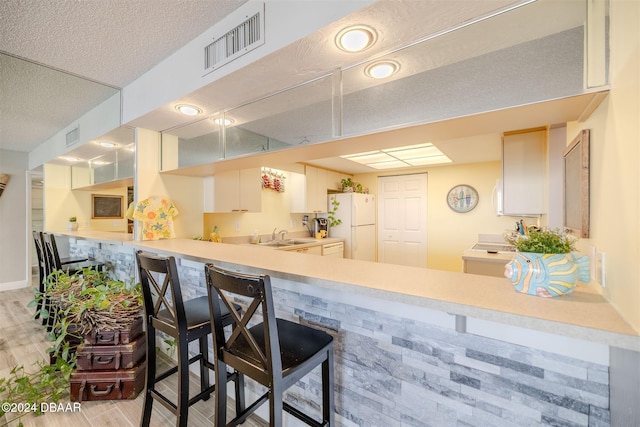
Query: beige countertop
(102, 236)
(585, 314)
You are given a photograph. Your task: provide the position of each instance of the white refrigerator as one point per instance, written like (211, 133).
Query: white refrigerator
(357, 213)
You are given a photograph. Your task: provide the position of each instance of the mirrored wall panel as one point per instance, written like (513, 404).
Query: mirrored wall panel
(515, 58)
(297, 116)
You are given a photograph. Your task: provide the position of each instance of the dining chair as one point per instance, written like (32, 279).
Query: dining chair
(70, 265)
(42, 269)
(274, 352)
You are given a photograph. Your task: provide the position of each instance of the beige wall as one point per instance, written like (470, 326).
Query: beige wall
(185, 192)
(15, 231)
(615, 166)
(450, 233)
(61, 202)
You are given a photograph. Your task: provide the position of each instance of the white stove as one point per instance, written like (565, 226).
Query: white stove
(493, 248)
(493, 244)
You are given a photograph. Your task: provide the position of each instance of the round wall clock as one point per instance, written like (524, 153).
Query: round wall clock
(462, 198)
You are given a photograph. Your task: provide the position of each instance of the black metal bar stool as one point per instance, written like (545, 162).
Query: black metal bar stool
(185, 321)
(276, 352)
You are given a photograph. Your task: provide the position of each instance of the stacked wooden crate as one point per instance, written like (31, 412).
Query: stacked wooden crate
(110, 364)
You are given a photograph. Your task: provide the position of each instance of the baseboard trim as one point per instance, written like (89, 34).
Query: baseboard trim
(10, 286)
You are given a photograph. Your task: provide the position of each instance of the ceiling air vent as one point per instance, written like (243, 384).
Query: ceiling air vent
(73, 136)
(236, 42)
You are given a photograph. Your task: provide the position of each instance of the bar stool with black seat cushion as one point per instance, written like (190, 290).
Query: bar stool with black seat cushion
(275, 352)
(185, 321)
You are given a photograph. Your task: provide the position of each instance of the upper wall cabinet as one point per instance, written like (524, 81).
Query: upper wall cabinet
(311, 189)
(234, 191)
(524, 172)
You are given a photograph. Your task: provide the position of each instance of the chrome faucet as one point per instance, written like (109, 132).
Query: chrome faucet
(281, 232)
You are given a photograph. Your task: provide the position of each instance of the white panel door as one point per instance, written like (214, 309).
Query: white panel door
(402, 220)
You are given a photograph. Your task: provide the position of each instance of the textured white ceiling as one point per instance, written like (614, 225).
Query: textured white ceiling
(111, 42)
(116, 41)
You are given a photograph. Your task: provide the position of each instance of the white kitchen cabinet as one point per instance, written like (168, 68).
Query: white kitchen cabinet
(236, 191)
(524, 172)
(486, 264)
(310, 250)
(335, 250)
(311, 189)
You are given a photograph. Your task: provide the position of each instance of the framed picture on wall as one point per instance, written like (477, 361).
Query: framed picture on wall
(105, 206)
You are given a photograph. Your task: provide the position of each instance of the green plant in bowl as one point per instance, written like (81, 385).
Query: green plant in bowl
(544, 241)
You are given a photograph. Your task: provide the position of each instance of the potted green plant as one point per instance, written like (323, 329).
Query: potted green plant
(347, 185)
(544, 263)
(72, 225)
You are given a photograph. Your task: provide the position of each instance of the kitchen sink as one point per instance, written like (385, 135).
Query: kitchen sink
(301, 241)
(287, 242)
(276, 243)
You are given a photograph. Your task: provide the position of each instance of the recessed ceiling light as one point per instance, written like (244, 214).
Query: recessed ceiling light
(100, 163)
(70, 159)
(226, 121)
(188, 110)
(382, 69)
(107, 144)
(356, 38)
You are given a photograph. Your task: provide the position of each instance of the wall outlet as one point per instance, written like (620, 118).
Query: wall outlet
(237, 226)
(293, 223)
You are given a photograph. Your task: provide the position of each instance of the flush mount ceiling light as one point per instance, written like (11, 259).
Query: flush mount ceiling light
(401, 157)
(226, 121)
(107, 144)
(382, 69)
(356, 38)
(188, 110)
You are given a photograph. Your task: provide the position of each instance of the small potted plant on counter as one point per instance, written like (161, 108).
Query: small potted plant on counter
(544, 264)
(72, 225)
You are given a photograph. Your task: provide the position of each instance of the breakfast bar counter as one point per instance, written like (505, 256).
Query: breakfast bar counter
(421, 347)
(584, 314)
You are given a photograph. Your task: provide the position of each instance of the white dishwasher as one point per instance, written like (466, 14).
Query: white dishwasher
(333, 249)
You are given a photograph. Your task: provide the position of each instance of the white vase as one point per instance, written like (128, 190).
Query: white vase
(72, 226)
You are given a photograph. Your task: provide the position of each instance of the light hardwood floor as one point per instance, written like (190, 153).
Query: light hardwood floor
(23, 342)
